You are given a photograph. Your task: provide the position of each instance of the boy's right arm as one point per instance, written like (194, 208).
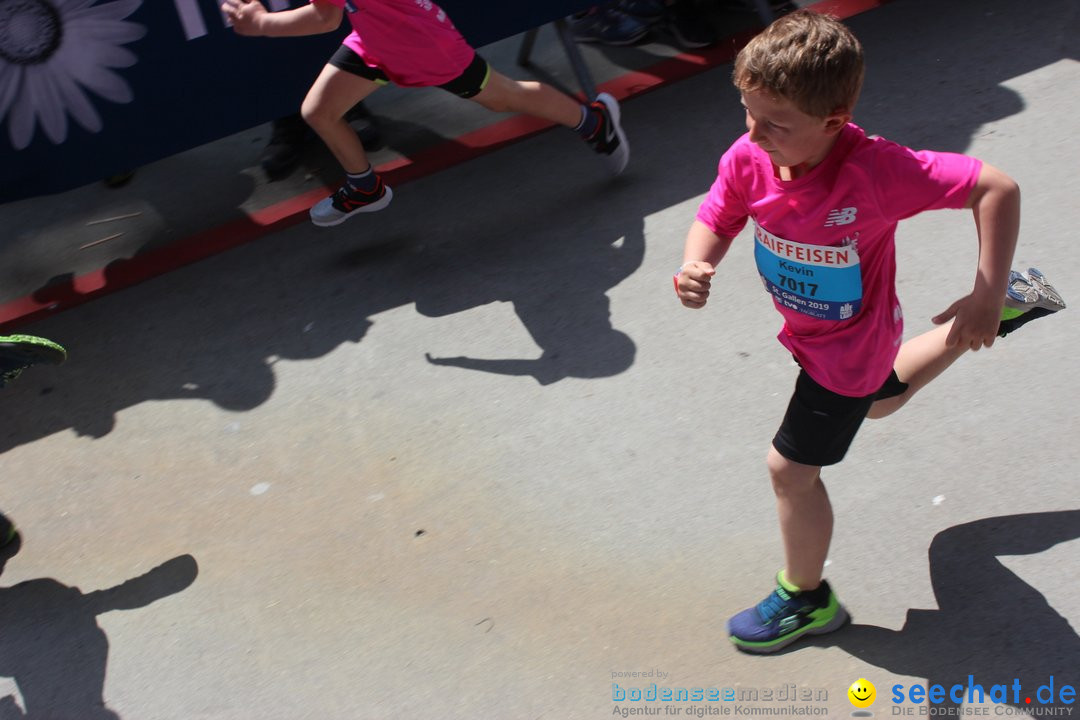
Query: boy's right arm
(704, 250)
(249, 17)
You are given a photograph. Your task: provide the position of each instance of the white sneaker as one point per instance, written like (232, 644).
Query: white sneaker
(345, 203)
(609, 139)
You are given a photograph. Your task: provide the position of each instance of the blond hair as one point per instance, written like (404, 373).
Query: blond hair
(809, 58)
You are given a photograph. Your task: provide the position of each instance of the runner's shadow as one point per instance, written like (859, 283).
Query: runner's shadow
(565, 309)
(989, 624)
(52, 646)
(215, 331)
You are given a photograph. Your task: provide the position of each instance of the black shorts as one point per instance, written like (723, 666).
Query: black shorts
(820, 425)
(468, 84)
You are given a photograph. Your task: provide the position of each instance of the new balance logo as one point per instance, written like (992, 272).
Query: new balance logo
(843, 216)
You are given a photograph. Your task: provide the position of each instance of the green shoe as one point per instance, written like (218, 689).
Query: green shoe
(18, 352)
(786, 615)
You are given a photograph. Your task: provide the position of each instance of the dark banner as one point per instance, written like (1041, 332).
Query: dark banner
(92, 88)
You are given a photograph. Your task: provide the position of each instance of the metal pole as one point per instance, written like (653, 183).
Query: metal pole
(577, 62)
(527, 44)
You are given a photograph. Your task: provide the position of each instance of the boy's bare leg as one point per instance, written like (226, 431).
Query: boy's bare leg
(502, 94)
(597, 123)
(806, 518)
(921, 359)
(332, 95)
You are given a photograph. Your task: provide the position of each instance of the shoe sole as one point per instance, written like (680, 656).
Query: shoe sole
(1020, 294)
(614, 43)
(1039, 282)
(376, 206)
(1028, 296)
(1025, 293)
(839, 620)
(616, 114)
(41, 349)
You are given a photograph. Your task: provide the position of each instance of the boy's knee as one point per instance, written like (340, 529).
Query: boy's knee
(789, 476)
(886, 407)
(313, 113)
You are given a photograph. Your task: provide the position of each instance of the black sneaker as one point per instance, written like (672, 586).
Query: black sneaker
(18, 352)
(1028, 296)
(609, 139)
(649, 12)
(608, 26)
(291, 134)
(690, 28)
(282, 154)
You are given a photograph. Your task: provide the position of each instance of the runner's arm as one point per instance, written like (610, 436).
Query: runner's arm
(703, 251)
(250, 17)
(702, 244)
(995, 203)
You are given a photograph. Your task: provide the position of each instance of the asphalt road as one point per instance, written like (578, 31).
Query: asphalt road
(469, 458)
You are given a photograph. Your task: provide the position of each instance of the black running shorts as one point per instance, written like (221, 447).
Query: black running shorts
(820, 425)
(468, 84)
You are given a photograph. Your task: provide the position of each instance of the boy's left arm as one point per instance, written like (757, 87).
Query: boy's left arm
(995, 203)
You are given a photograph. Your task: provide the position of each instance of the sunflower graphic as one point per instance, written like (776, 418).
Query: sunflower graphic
(51, 53)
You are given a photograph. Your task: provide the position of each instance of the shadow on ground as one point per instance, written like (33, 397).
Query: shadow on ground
(545, 232)
(52, 646)
(989, 624)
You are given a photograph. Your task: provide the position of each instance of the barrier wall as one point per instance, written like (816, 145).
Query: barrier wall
(91, 88)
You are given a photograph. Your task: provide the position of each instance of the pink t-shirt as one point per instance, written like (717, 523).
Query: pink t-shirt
(412, 41)
(824, 244)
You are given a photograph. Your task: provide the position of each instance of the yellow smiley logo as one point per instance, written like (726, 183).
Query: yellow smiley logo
(862, 693)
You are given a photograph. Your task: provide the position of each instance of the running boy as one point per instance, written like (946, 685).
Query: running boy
(825, 200)
(413, 44)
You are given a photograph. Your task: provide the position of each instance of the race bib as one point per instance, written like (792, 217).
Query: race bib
(822, 282)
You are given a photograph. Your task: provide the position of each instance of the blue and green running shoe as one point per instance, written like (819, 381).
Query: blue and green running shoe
(1028, 296)
(18, 352)
(785, 616)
